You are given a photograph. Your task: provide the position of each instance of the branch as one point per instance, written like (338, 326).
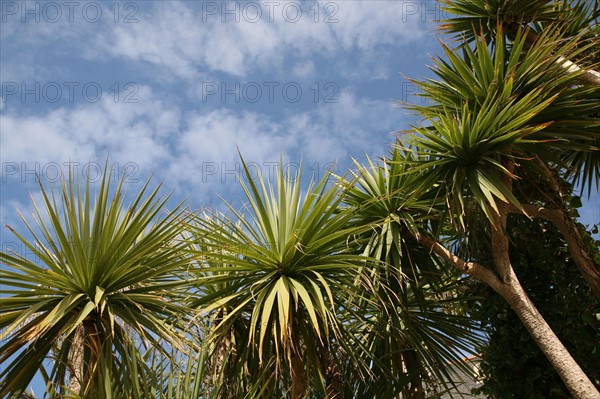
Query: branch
(550, 177)
(589, 268)
(551, 215)
(589, 77)
(472, 268)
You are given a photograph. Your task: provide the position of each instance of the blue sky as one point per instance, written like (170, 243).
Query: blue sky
(172, 88)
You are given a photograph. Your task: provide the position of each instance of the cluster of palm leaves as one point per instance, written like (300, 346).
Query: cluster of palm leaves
(325, 290)
(317, 292)
(98, 279)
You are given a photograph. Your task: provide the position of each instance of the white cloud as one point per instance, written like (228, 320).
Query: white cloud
(354, 120)
(193, 147)
(129, 132)
(207, 147)
(304, 69)
(187, 41)
(170, 38)
(365, 24)
(27, 27)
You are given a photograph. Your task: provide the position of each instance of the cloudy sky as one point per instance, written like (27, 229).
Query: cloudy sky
(172, 89)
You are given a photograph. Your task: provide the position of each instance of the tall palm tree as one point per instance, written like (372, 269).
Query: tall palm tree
(504, 112)
(283, 269)
(103, 283)
(553, 49)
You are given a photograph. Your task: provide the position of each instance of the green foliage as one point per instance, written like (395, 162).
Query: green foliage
(410, 307)
(344, 288)
(515, 102)
(469, 17)
(534, 45)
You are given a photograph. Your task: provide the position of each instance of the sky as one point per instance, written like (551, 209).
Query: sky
(173, 89)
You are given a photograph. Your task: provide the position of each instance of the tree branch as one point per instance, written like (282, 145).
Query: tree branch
(589, 77)
(472, 268)
(578, 247)
(551, 179)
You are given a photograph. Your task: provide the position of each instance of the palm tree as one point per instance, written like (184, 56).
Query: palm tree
(554, 48)
(282, 271)
(103, 284)
(410, 330)
(506, 113)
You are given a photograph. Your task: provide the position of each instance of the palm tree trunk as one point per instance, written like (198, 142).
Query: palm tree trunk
(508, 286)
(92, 344)
(221, 366)
(87, 344)
(333, 376)
(572, 375)
(299, 380)
(75, 365)
(223, 353)
(299, 383)
(414, 369)
(511, 290)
